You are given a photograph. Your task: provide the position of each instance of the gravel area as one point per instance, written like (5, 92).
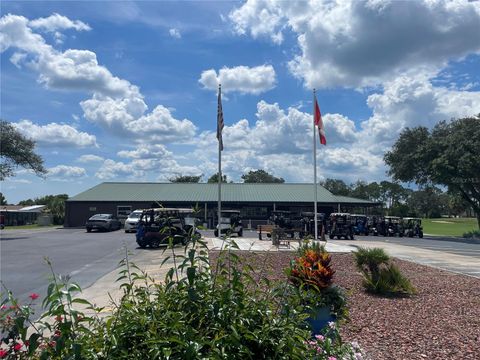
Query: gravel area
(442, 321)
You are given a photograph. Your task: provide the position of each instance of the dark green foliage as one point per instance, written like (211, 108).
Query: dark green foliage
(3, 200)
(17, 150)
(186, 179)
(55, 205)
(472, 234)
(381, 277)
(448, 155)
(214, 178)
(260, 176)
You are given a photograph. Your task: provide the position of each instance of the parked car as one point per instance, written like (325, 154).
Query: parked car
(103, 222)
(132, 221)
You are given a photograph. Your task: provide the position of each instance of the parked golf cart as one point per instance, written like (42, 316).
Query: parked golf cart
(340, 225)
(291, 225)
(413, 227)
(230, 223)
(157, 226)
(373, 225)
(393, 226)
(360, 224)
(308, 223)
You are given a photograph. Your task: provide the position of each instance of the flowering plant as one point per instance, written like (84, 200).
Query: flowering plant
(329, 346)
(311, 273)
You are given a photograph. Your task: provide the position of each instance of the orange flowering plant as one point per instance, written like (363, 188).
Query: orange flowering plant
(311, 274)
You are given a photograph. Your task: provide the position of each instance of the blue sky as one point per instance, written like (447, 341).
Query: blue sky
(126, 91)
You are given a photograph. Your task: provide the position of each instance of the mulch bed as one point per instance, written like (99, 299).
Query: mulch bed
(442, 321)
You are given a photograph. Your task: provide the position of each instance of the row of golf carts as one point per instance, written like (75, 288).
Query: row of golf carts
(345, 225)
(385, 225)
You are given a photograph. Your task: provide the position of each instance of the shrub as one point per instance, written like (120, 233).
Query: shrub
(379, 276)
(475, 234)
(196, 313)
(311, 274)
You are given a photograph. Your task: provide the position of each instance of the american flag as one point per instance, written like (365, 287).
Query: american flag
(220, 119)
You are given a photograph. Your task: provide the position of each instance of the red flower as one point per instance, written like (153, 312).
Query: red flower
(59, 318)
(17, 346)
(3, 353)
(34, 296)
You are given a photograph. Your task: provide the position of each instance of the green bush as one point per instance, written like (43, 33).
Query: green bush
(379, 275)
(198, 312)
(472, 234)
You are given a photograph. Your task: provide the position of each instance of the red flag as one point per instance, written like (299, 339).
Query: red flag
(318, 122)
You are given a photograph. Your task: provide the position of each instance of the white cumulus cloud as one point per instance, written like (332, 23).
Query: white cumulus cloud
(363, 43)
(66, 172)
(54, 134)
(58, 22)
(115, 103)
(243, 79)
(89, 158)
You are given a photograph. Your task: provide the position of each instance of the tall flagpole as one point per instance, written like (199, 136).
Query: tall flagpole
(315, 169)
(220, 145)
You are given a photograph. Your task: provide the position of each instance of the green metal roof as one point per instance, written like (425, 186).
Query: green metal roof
(182, 192)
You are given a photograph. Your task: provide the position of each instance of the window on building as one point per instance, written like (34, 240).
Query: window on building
(123, 211)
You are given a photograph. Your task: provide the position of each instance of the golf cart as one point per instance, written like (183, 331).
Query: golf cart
(291, 227)
(413, 227)
(340, 225)
(393, 226)
(308, 223)
(360, 224)
(157, 226)
(230, 223)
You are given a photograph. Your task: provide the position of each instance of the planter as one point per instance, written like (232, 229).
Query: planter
(319, 319)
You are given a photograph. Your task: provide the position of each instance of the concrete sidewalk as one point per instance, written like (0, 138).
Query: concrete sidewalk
(149, 260)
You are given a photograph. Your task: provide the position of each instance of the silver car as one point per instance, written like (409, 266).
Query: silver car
(132, 221)
(103, 222)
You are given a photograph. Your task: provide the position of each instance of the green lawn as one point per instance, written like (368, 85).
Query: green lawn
(449, 226)
(28, 227)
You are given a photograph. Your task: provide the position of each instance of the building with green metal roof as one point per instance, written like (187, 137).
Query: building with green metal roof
(255, 201)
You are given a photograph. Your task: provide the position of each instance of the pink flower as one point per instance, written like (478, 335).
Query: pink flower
(17, 347)
(3, 353)
(332, 358)
(34, 296)
(4, 307)
(319, 337)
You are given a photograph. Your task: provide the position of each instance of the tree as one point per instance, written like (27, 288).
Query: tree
(55, 205)
(186, 179)
(17, 150)
(336, 187)
(448, 155)
(260, 176)
(426, 202)
(214, 179)
(3, 201)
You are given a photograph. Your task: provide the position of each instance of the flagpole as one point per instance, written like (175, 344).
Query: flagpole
(315, 169)
(219, 171)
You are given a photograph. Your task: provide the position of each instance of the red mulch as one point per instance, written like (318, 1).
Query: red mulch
(442, 321)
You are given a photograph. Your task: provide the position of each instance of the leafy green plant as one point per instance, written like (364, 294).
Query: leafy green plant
(198, 312)
(472, 234)
(311, 275)
(379, 275)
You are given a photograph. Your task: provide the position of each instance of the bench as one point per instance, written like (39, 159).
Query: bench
(265, 229)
